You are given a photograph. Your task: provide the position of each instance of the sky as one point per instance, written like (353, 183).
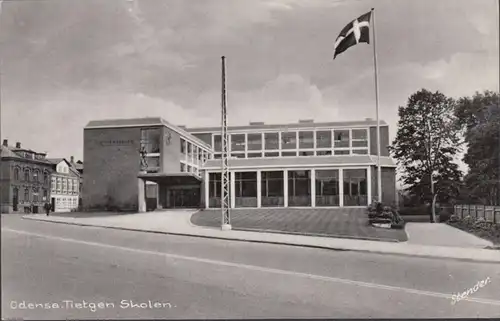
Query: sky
(66, 62)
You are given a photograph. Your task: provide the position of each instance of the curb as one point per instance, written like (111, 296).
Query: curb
(270, 242)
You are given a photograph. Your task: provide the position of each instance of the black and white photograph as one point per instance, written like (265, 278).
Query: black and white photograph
(249, 159)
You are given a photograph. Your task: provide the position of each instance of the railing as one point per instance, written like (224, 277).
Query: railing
(488, 213)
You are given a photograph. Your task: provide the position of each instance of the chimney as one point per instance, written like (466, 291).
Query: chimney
(6, 143)
(72, 159)
(18, 145)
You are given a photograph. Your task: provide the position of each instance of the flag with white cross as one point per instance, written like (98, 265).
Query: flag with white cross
(355, 32)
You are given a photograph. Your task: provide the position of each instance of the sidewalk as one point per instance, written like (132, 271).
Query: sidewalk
(178, 223)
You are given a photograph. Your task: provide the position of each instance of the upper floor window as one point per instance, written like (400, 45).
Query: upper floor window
(75, 186)
(359, 138)
(271, 141)
(237, 142)
(254, 141)
(27, 174)
(35, 175)
(341, 138)
(324, 139)
(59, 183)
(150, 140)
(183, 146)
(189, 149)
(45, 177)
(288, 140)
(306, 139)
(217, 143)
(53, 184)
(26, 194)
(16, 174)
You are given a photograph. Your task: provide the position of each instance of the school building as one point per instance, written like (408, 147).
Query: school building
(148, 163)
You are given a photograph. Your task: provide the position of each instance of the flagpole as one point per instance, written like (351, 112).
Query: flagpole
(379, 170)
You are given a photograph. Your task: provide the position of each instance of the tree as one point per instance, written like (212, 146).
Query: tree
(478, 118)
(426, 142)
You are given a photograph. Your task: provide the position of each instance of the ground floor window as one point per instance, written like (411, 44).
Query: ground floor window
(327, 187)
(245, 189)
(272, 189)
(214, 189)
(299, 188)
(355, 187)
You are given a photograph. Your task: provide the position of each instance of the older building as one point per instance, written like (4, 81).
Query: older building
(304, 164)
(65, 185)
(24, 179)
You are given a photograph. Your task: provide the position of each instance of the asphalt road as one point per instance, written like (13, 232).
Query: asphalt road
(76, 272)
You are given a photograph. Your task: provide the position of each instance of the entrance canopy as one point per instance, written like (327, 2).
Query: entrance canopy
(171, 178)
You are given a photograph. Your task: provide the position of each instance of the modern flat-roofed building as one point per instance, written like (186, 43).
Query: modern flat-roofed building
(304, 164)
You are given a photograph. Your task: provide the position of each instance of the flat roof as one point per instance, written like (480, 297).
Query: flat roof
(298, 125)
(301, 161)
(143, 122)
(172, 178)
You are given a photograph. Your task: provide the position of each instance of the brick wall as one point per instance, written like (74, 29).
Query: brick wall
(111, 169)
(388, 184)
(384, 140)
(171, 152)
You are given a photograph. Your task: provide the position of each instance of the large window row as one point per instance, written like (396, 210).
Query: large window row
(30, 175)
(193, 154)
(28, 195)
(295, 143)
(62, 185)
(327, 188)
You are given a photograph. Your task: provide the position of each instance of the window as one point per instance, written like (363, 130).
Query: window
(189, 149)
(327, 188)
(53, 184)
(288, 154)
(151, 140)
(59, 183)
(183, 146)
(272, 189)
(271, 141)
(45, 193)
(355, 187)
(272, 154)
(26, 195)
(254, 141)
(359, 138)
(288, 140)
(342, 152)
(360, 151)
(36, 176)
(27, 175)
(254, 155)
(341, 138)
(324, 139)
(299, 188)
(45, 178)
(245, 185)
(189, 169)
(75, 186)
(64, 185)
(35, 194)
(238, 155)
(70, 186)
(183, 167)
(217, 143)
(323, 152)
(16, 174)
(306, 139)
(214, 180)
(306, 153)
(237, 142)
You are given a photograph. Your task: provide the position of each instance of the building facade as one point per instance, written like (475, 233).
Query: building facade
(24, 179)
(305, 164)
(65, 185)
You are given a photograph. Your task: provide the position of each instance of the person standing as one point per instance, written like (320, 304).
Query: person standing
(47, 208)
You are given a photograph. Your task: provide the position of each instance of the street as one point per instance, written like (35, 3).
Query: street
(57, 271)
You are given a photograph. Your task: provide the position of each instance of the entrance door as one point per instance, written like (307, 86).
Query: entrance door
(53, 202)
(184, 197)
(15, 199)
